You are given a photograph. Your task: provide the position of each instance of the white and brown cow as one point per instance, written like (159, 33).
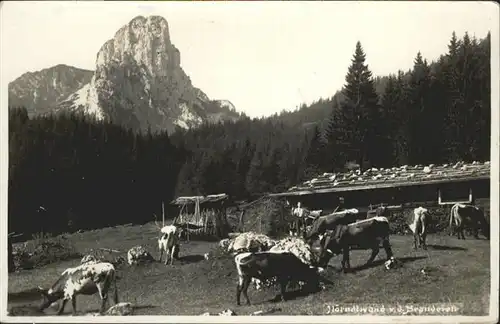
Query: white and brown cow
(419, 227)
(169, 243)
(86, 279)
(468, 216)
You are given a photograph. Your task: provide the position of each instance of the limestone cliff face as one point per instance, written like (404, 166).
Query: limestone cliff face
(138, 82)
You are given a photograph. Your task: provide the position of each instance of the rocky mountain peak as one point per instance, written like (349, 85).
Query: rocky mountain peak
(139, 83)
(146, 42)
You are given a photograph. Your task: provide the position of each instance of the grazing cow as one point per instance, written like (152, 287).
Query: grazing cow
(366, 234)
(470, 216)
(86, 279)
(329, 222)
(169, 243)
(285, 266)
(419, 227)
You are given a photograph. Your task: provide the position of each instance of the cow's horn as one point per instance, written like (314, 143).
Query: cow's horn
(329, 251)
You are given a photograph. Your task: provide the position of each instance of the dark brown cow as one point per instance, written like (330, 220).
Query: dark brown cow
(468, 216)
(285, 266)
(329, 222)
(365, 234)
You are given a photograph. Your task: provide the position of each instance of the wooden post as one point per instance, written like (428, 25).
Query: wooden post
(240, 223)
(163, 213)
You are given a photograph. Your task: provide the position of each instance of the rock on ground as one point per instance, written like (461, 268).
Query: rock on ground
(120, 309)
(227, 312)
(138, 255)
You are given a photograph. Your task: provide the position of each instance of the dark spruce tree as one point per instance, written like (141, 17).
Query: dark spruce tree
(315, 161)
(354, 128)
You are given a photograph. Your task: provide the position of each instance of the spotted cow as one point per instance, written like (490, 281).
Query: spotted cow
(85, 279)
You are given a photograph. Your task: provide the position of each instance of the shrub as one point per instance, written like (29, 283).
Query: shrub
(269, 216)
(42, 250)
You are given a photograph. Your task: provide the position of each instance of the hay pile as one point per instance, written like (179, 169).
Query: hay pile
(269, 216)
(96, 257)
(297, 246)
(252, 242)
(255, 242)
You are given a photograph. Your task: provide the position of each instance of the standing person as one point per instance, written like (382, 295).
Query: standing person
(341, 205)
(299, 213)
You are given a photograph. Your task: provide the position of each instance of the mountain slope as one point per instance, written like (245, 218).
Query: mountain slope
(39, 91)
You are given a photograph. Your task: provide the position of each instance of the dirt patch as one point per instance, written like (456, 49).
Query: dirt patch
(25, 295)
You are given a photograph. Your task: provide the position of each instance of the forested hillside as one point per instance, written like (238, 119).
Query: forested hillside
(87, 174)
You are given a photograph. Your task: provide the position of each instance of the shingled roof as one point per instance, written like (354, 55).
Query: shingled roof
(186, 200)
(391, 177)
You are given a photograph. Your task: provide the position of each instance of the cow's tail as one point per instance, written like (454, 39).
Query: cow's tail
(485, 227)
(239, 260)
(457, 217)
(452, 215)
(422, 226)
(243, 258)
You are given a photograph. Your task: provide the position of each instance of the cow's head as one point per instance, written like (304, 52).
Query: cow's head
(182, 232)
(49, 297)
(421, 211)
(382, 211)
(313, 278)
(325, 247)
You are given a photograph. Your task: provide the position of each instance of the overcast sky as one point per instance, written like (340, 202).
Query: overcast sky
(262, 56)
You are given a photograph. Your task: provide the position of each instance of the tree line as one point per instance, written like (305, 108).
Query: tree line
(69, 171)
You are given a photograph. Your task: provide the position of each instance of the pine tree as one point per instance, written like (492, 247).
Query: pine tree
(391, 103)
(355, 125)
(314, 158)
(419, 111)
(254, 181)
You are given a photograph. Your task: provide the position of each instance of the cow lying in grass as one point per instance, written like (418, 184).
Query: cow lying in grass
(365, 234)
(330, 222)
(284, 266)
(86, 279)
(169, 243)
(463, 216)
(419, 227)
